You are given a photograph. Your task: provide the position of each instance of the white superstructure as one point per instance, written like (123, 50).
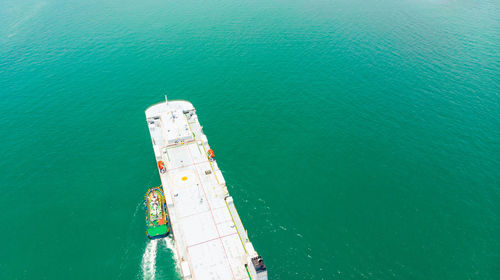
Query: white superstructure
(209, 236)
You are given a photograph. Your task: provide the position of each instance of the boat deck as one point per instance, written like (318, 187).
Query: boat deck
(208, 233)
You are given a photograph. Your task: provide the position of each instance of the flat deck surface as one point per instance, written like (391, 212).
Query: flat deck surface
(204, 230)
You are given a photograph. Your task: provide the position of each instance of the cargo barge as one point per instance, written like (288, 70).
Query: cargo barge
(209, 236)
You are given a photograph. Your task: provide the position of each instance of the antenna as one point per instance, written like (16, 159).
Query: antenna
(166, 100)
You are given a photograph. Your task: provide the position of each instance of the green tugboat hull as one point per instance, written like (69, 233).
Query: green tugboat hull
(157, 232)
(156, 217)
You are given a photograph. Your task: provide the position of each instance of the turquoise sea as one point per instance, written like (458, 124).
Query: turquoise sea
(359, 139)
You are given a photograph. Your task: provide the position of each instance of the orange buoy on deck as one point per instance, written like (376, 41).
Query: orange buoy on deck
(161, 166)
(211, 153)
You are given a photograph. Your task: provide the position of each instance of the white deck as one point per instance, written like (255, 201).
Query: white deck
(210, 239)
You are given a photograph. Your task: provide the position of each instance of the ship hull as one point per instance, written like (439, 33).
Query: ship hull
(209, 237)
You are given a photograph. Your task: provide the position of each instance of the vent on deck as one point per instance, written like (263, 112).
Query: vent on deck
(259, 265)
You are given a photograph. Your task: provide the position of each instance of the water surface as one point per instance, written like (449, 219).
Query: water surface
(360, 139)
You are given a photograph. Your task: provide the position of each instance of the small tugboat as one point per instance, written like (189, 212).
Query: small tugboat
(156, 218)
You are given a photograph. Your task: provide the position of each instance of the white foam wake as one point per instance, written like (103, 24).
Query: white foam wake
(169, 244)
(148, 264)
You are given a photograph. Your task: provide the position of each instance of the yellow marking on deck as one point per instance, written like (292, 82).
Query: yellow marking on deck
(235, 226)
(184, 178)
(206, 154)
